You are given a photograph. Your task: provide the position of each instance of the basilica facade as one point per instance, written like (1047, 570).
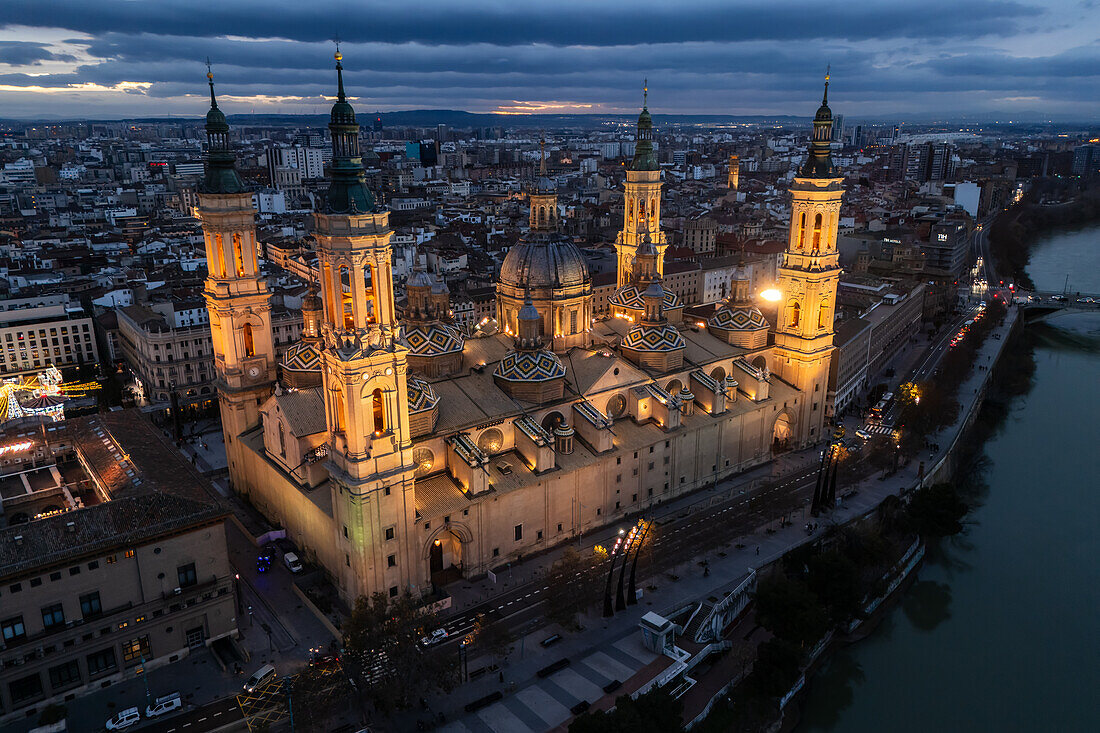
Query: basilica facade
(400, 453)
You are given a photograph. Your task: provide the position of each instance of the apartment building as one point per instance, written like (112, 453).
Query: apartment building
(101, 594)
(38, 332)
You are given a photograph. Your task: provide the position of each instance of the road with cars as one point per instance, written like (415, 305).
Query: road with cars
(680, 534)
(218, 715)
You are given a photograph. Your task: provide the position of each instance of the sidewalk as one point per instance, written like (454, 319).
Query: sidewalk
(612, 646)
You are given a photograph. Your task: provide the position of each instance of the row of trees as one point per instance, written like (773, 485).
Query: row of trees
(933, 404)
(1013, 231)
(824, 586)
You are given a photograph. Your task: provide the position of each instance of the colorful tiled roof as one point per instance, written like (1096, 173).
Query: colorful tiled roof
(530, 366)
(433, 339)
(421, 395)
(302, 357)
(738, 318)
(653, 337)
(630, 296)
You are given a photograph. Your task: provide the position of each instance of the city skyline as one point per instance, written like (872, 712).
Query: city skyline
(116, 59)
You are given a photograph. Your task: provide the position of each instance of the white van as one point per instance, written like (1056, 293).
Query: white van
(164, 705)
(124, 719)
(293, 564)
(260, 678)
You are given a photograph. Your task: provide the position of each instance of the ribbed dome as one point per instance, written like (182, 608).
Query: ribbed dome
(544, 260)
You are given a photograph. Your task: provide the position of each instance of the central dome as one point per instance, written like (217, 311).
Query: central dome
(542, 261)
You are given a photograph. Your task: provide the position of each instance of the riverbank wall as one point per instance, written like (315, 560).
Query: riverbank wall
(957, 455)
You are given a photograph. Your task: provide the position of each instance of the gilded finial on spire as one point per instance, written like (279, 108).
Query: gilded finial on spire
(825, 96)
(542, 154)
(645, 93)
(339, 72)
(210, 80)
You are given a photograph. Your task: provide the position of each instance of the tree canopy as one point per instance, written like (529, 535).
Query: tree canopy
(383, 657)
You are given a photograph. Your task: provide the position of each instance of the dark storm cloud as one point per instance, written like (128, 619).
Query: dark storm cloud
(705, 57)
(28, 53)
(700, 55)
(1084, 61)
(566, 22)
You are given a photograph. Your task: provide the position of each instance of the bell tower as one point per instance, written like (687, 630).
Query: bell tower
(808, 280)
(236, 292)
(641, 201)
(365, 364)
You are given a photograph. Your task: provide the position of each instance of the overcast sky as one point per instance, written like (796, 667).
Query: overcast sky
(115, 58)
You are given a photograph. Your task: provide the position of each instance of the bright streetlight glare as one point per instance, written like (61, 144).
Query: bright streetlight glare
(771, 294)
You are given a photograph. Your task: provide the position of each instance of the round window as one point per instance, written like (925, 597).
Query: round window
(616, 406)
(424, 460)
(491, 441)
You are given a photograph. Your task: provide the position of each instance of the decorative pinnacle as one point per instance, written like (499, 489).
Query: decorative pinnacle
(210, 80)
(339, 73)
(825, 96)
(645, 93)
(542, 154)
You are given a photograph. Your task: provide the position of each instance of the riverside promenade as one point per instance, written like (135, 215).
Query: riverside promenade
(611, 649)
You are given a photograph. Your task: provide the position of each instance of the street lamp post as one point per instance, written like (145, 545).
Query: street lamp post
(144, 676)
(632, 598)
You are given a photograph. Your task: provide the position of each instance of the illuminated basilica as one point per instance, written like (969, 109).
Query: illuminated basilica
(399, 453)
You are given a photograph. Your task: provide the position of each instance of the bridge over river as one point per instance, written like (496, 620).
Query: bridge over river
(1043, 305)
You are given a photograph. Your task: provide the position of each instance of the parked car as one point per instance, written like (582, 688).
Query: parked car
(124, 719)
(434, 638)
(260, 678)
(293, 564)
(164, 705)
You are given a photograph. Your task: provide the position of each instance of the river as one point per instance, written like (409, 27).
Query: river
(1000, 631)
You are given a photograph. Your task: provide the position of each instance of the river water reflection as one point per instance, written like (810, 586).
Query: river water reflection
(1001, 631)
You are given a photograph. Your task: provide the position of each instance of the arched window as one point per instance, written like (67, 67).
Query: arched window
(795, 313)
(282, 441)
(219, 264)
(249, 343)
(238, 253)
(338, 408)
(379, 412)
(823, 315)
(345, 311)
(817, 233)
(801, 242)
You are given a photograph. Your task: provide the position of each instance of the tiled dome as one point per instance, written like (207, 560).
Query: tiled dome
(530, 366)
(433, 339)
(544, 260)
(302, 357)
(653, 337)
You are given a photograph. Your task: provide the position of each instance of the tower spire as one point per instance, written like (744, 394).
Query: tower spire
(347, 192)
(221, 174)
(542, 154)
(819, 163)
(645, 93)
(339, 73)
(210, 80)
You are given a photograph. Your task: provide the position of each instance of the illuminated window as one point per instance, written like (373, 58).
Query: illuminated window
(795, 313)
(817, 233)
(238, 253)
(249, 343)
(134, 649)
(129, 553)
(219, 253)
(801, 243)
(282, 441)
(379, 421)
